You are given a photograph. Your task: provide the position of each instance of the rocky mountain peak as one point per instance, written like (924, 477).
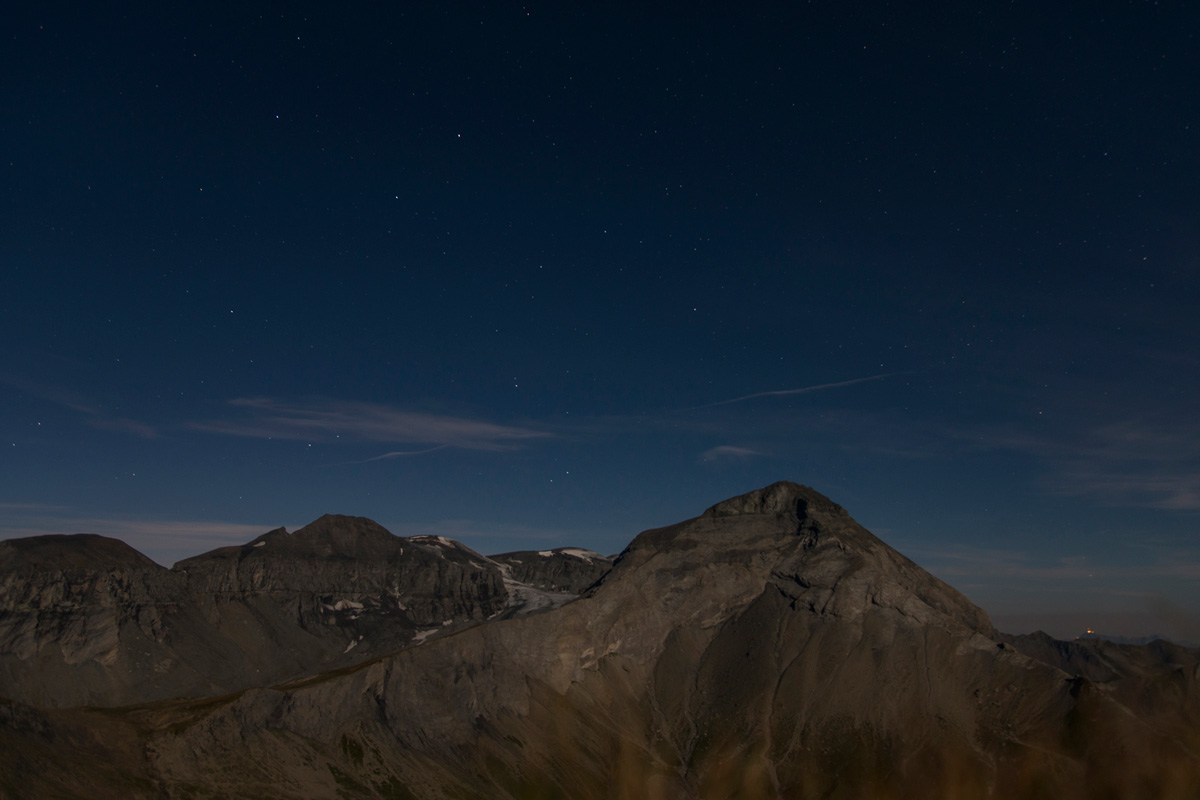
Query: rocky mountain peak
(71, 552)
(332, 536)
(783, 498)
(804, 545)
(339, 535)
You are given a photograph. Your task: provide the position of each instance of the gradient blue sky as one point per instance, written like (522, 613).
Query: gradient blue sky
(548, 274)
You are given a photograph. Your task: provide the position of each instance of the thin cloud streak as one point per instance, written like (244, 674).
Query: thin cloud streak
(1136, 463)
(803, 390)
(1010, 565)
(48, 393)
(32, 507)
(982, 563)
(96, 417)
(401, 454)
(1161, 490)
(727, 452)
(367, 422)
(125, 426)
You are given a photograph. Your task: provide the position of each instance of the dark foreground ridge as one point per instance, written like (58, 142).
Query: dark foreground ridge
(769, 648)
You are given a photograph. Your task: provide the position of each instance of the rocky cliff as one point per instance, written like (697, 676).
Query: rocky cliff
(88, 620)
(562, 569)
(81, 618)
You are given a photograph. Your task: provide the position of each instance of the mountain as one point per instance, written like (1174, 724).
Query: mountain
(769, 648)
(86, 620)
(1138, 640)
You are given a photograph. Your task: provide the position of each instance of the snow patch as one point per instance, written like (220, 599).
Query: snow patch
(523, 598)
(430, 539)
(420, 636)
(343, 605)
(260, 544)
(574, 552)
(351, 646)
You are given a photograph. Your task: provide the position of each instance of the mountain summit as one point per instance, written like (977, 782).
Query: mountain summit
(769, 648)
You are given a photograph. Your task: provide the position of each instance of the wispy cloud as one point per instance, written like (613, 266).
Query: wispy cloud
(802, 390)
(729, 453)
(367, 422)
(1132, 462)
(1156, 489)
(402, 454)
(50, 394)
(18, 507)
(1008, 565)
(96, 417)
(125, 426)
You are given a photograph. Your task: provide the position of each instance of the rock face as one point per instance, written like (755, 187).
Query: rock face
(86, 620)
(81, 617)
(563, 569)
(1159, 681)
(769, 648)
(343, 577)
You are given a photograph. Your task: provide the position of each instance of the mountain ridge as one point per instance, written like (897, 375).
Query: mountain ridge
(86, 619)
(770, 647)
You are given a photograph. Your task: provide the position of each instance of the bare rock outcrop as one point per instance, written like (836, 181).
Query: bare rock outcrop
(82, 617)
(562, 569)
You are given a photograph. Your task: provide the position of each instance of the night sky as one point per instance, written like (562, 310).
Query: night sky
(552, 274)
